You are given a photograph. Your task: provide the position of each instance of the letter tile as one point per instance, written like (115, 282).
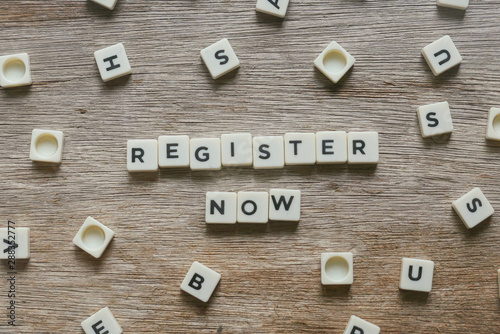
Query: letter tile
(337, 269)
(142, 155)
(173, 151)
(102, 322)
(359, 326)
(237, 149)
(46, 145)
(334, 62)
(205, 154)
(253, 207)
(441, 55)
(435, 119)
(473, 208)
(362, 147)
(19, 246)
(300, 148)
(200, 281)
(93, 237)
(15, 70)
(416, 275)
(221, 207)
(284, 205)
(220, 58)
(109, 4)
(112, 62)
(493, 130)
(457, 4)
(272, 7)
(331, 147)
(268, 152)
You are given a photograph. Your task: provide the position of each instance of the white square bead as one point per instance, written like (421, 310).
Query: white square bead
(200, 281)
(93, 237)
(268, 152)
(441, 55)
(334, 62)
(435, 119)
(493, 129)
(457, 4)
(473, 208)
(331, 147)
(18, 241)
(173, 151)
(300, 148)
(253, 207)
(416, 275)
(142, 155)
(236, 149)
(15, 70)
(109, 4)
(272, 7)
(205, 154)
(362, 147)
(337, 269)
(359, 326)
(102, 322)
(46, 145)
(284, 205)
(220, 58)
(112, 62)
(221, 207)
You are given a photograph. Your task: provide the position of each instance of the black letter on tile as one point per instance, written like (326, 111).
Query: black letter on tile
(112, 65)
(266, 155)
(430, 119)
(357, 330)
(196, 281)
(169, 150)
(206, 156)
(277, 205)
(295, 144)
(220, 55)
(249, 213)
(137, 153)
(232, 149)
(213, 205)
(324, 146)
(358, 145)
(410, 273)
(274, 3)
(99, 330)
(445, 60)
(475, 203)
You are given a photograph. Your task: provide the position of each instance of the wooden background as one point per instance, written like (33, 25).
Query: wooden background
(271, 274)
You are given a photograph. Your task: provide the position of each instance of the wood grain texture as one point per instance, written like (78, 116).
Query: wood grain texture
(270, 275)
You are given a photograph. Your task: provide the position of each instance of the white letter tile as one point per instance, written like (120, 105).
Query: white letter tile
(19, 236)
(272, 7)
(253, 207)
(112, 62)
(300, 148)
(284, 205)
(331, 147)
(200, 281)
(142, 155)
(268, 152)
(362, 147)
(221, 207)
(237, 149)
(102, 322)
(416, 275)
(173, 151)
(220, 58)
(457, 4)
(359, 326)
(435, 119)
(473, 208)
(205, 154)
(441, 55)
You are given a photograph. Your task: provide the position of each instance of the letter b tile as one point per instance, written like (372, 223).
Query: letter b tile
(416, 275)
(200, 281)
(359, 326)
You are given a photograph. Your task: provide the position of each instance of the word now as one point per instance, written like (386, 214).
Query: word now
(326, 147)
(252, 206)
